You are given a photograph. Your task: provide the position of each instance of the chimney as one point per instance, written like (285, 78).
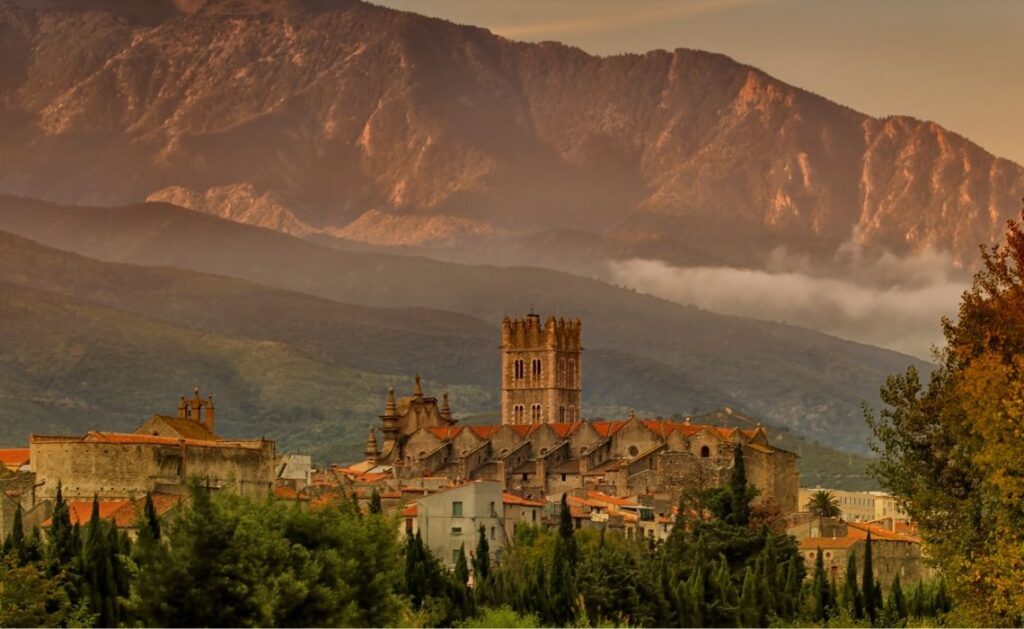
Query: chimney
(182, 408)
(208, 420)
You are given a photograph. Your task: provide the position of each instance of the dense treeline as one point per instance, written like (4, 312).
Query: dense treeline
(950, 447)
(230, 561)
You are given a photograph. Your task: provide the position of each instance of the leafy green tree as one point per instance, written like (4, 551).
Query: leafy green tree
(14, 545)
(461, 567)
(823, 503)
(231, 561)
(948, 448)
(503, 616)
(29, 597)
(375, 505)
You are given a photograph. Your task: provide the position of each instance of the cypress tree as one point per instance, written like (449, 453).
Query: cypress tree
(98, 571)
(899, 599)
(61, 546)
(749, 608)
(563, 570)
(482, 559)
(375, 505)
(461, 568)
(152, 522)
(14, 545)
(870, 595)
(740, 505)
(851, 593)
(833, 598)
(820, 590)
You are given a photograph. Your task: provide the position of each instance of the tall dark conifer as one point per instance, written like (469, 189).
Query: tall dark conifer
(740, 502)
(871, 596)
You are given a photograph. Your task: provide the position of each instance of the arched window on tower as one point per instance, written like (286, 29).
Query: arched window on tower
(705, 452)
(572, 373)
(572, 413)
(535, 413)
(560, 374)
(520, 369)
(536, 368)
(518, 413)
(561, 413)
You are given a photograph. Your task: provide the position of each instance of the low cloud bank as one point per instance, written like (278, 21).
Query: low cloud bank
(890, 302)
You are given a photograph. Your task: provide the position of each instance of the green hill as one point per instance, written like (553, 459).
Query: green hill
(98, 345)
(674, 357)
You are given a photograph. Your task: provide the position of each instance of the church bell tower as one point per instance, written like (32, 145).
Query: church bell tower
(540, 370)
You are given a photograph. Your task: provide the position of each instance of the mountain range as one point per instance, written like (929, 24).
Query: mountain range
(356, 122)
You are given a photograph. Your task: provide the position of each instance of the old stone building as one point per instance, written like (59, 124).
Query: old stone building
(892, 552)
(540, 453)
(541, 370)
(163, 455)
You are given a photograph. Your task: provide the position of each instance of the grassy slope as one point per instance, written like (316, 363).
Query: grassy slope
(808, 381)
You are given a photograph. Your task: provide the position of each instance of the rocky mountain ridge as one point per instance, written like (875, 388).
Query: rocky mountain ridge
(332, 109)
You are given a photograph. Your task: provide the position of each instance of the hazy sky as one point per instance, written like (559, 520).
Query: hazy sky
(959, 63)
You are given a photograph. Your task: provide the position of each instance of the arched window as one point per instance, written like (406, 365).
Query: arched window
(705, 452)
(572, 413)
(561, 413)
(633, 451)
(520, 369)
(535, 413)
(518, 412)
(572, 373)
(536, 368)
(561, 373)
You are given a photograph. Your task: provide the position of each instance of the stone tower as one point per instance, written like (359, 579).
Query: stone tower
(540, 370)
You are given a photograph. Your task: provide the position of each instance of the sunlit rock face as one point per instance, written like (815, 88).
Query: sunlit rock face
(342, 117)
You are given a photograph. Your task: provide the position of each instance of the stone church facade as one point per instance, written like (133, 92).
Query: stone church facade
(536, 453)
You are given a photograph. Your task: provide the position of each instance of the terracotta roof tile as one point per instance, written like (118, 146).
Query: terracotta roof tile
(14, 458)
(512, 499)
(410, 511)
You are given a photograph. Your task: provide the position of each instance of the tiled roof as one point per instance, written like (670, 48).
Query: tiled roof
(445, 433)
(122, 512)
(283, 492)
(410, 511)
(855, 532)
(619, 502)
(485, 432)
(14, 458)
(512, 499)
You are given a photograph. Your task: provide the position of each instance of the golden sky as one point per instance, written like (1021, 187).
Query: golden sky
(957, 62)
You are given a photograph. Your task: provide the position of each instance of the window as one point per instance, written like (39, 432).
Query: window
(535, 413)
(561, 413)
(518, 413)
(457, 508)
(455, 555)
(705, 452)
(563, 478)
(494, 534)
(572, 373)
(520, 369)
(534, 514)
(525, 475)
(493, 512)
(408, 526)
(572, 413)
(456, 530)
(633, 451)
(535, 367)
(561, 372)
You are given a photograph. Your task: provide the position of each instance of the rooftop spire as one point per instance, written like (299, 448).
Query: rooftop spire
(418, 391)
(446, 410)
(390, 408)
(371, 451)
